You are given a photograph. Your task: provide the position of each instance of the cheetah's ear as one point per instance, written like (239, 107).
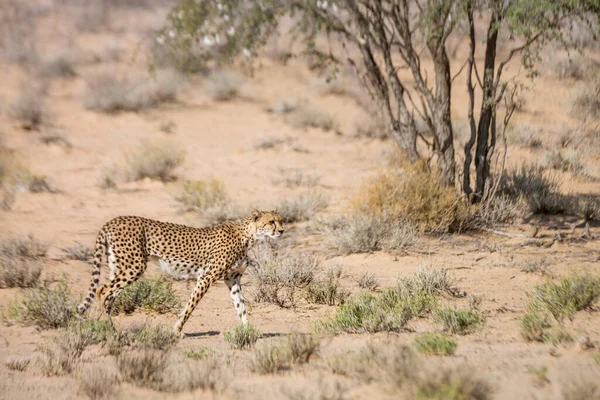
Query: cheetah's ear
(255, 214)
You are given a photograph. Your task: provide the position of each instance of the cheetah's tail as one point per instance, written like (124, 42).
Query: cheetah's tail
(99, 250)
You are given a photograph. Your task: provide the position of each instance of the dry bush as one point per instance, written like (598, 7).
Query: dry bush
(588, 208)
(224, 85)
(223, 212)
(284, 106)
(538, 188)
(147, 294)
(525, 135)
(434, 281)
(140, 336)
(58, 65)
(397, 365)
(365, 233)
(308, 116)
(372, 127)
(297, 348)
(200, 195)
(586, 101)
(186, 376)
(143, 367)
(14, 176)
(17, 363)
(368, 281)
(18, 272)
(330, 85)
(30, 107)
(327, 290)
(295, 177)
(45, 306)
(323, 389)
(272, 142)
(279, 275)
(61, 355)
(303, 206)
(566, 161)
(78, 252)
(110, 91)
(575, 67)
(414, 194)
(98, 381)
(242, 336)
(153, 160)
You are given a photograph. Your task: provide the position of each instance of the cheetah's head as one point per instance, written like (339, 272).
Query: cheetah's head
(267, 223)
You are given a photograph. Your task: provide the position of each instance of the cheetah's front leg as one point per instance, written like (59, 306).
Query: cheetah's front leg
(234, 283)
(202, 284)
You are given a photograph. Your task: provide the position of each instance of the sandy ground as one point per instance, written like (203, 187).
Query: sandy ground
(218, 138)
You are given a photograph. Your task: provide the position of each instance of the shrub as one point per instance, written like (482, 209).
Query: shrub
(111, 91)
(415, 196)
(61, 355)
(154, 161)
(18, 272)
(78, 252)
(189, 376)
(143, 367)
(296, 177)
(142, 336)
(453, 385)
(280, 274)
(308, 116)
(330, 85)
(588, 208)
(582, 386)
(58, 65)
(540, 190)
(267, 359)
(365, 233)
(271, 142)
(372, 127)
(566, 161)
(222, 212)
(300, 347)
(45, 306)
(200, 195)
(327, 291)
(17, 363)
(563, 298)
(98, 381)
(370, 313)
(242, 336)
(433, 281)
(30, 107)
(586, 102)
(368, 281)
(534, 326)
(147, 294)
(431, 343)
(525, 135)
(459, 322)
(224, 85)
(303, 206)
(15, 176)
(28, 247)
(200, 354)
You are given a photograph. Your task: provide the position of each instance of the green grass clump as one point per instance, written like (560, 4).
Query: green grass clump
(242, 336)
(459, 322)
(534, 326)
(147, 294)
(431, 343)
(297, 348)
(46, 306)
(200, 354)
(563, 298)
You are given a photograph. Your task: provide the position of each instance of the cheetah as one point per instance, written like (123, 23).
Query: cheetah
(207, 254)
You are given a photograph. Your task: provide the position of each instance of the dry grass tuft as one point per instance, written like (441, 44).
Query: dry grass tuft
(371, 127)
(98, 381)
(291, 177)
(436, 344)
(30, 108)
(110, 91)
(461, 322)
(528, 136)
(224, 85)
(309, 116)
(279, 274)
(586, 102)
(58, 65)
(143, 367)
(17, 363)
(297, 348)
(368, 281)
(78, 252)
(155, 161)
(200, 195)
(364, 233)
(303, 206)
(18, 272)
(327, 291)
(583, 386)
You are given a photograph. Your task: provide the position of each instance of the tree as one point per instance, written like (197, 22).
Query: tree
(379, 38)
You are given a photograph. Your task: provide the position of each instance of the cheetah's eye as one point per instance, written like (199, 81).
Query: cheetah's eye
(272, 222)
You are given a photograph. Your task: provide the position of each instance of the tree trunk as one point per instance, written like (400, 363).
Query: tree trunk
(488, 108)
(441, 116)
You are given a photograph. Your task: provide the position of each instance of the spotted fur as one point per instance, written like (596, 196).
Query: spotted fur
(206, 254)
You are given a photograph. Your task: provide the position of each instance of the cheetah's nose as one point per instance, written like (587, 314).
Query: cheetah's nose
(280, 231)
